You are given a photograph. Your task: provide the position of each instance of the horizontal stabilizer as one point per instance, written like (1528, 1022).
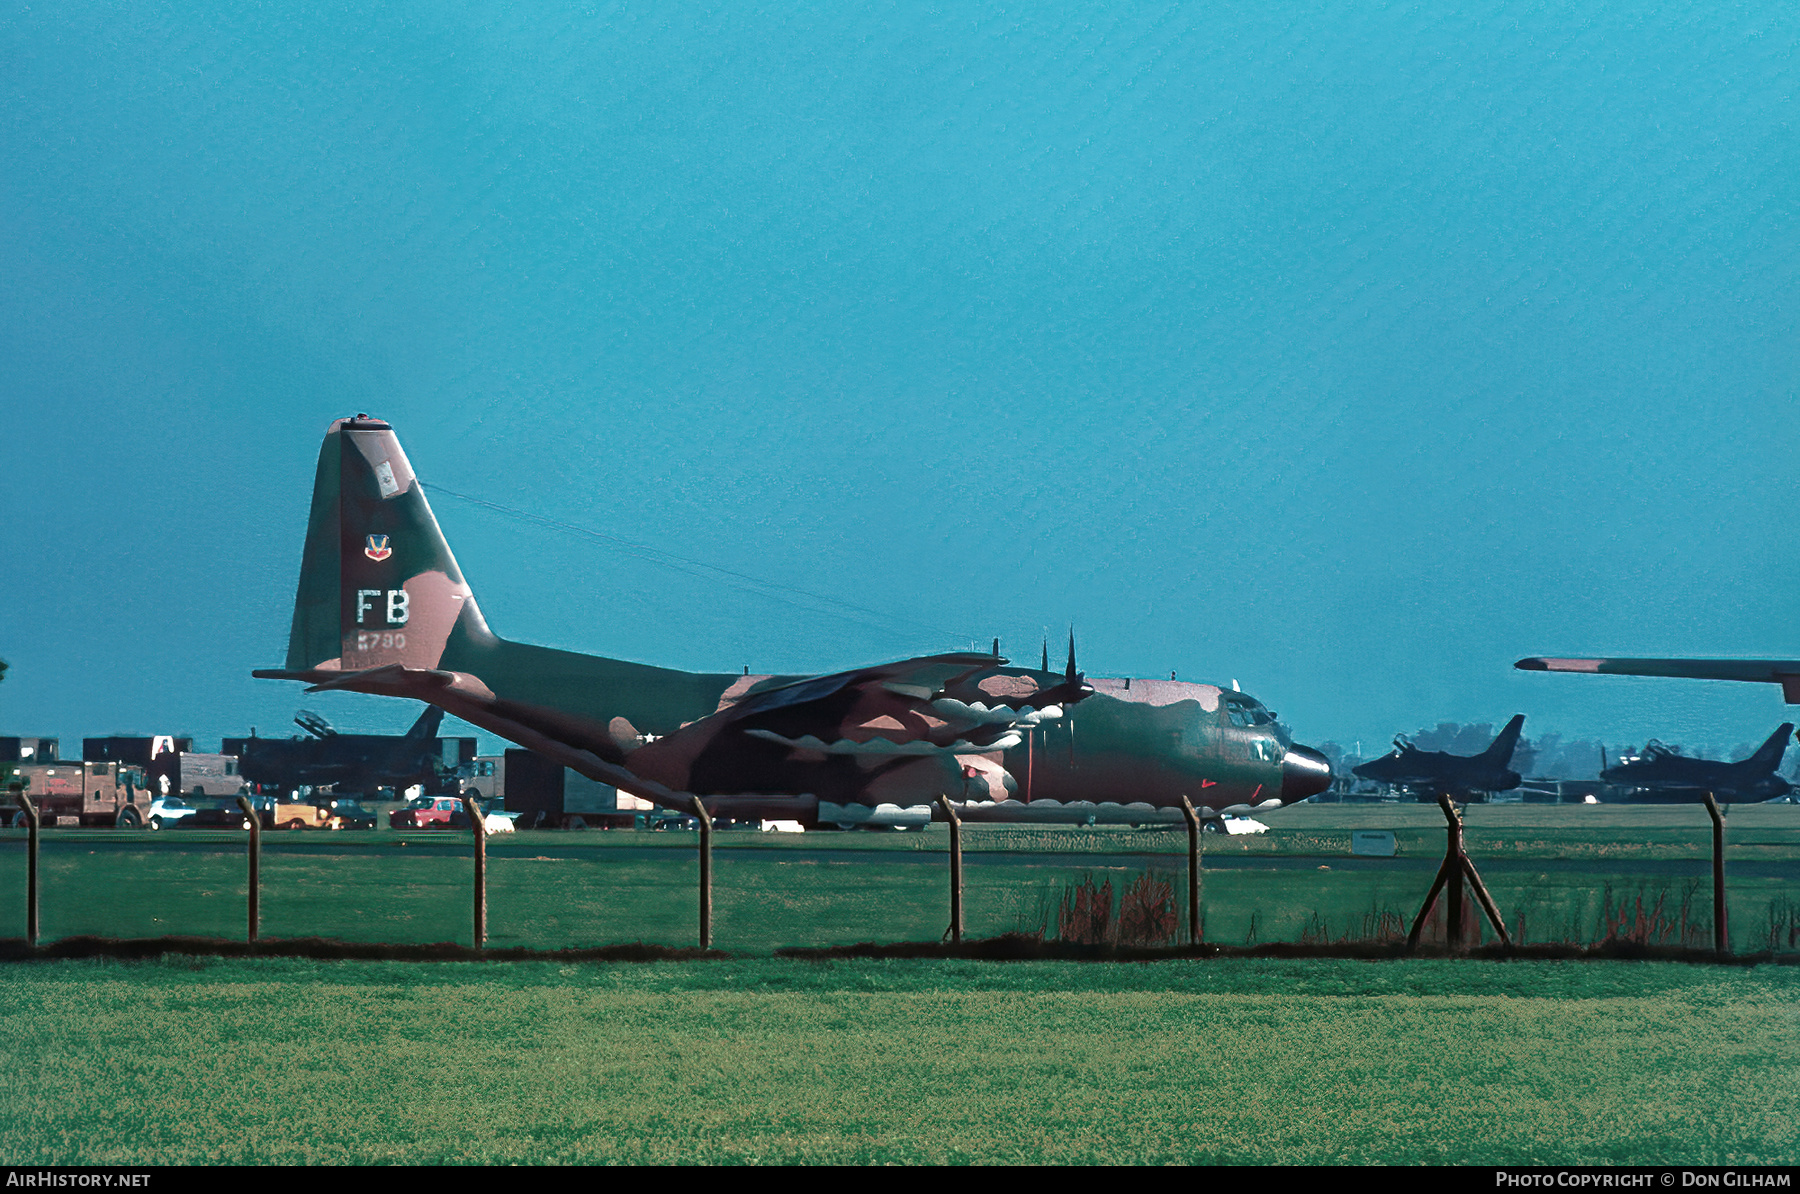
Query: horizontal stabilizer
(1785, 672)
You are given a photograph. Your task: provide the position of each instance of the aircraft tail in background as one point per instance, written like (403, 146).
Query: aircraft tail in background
(1768, 756)
(1505, 742)
(426, 728)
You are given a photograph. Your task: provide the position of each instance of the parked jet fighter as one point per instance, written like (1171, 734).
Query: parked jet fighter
(347, 762)
(383, 608)
(1428, 772)
(1664, 777)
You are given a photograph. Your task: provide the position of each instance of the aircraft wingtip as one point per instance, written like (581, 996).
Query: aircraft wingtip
(1539, 663)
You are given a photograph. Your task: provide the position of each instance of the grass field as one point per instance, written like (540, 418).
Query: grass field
(772, 1060)
(776, 1059)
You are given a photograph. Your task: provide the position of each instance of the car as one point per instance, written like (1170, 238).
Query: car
(166, 812)
(218, 814)
(446, 812)
(428, 812)
(350, 814)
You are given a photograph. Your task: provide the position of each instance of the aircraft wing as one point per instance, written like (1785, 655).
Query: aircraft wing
(930, 708)
(1785, 672)
(563, 738)
(934, 706)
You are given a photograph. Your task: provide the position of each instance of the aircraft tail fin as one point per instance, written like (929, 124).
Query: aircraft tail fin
(426, 728)
(1505, 742)
(1768, 756)
(378, 584)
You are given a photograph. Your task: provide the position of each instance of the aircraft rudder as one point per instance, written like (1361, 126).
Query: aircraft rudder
(378, 583)
(1768, 756)
(428, 723)
(1507, 740)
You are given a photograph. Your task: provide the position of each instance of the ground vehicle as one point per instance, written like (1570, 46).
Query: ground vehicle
(428, 812)
(322, 812)
(166, 812)
(446, 812)
(350, 814)
(89, 795)
(208, 775)
(282, 814)
(546, 795)
(215, 814)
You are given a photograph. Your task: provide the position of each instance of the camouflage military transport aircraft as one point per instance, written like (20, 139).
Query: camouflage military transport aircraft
(1664, 777)
(1429, 772)
(383, 608)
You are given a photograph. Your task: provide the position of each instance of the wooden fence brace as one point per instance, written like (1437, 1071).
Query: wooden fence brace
(705, 873)
(478, 825)
(1193, 828)
(1721, 925)
(253, 823)
(31, 865)
(1487, 901)
(1457, 867)
(955, 931)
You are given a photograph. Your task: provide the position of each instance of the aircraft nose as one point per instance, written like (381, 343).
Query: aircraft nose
(1304, 772)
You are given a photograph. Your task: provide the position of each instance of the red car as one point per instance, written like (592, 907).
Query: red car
(430, 812)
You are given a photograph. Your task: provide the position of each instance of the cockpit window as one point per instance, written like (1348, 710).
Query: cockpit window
(1248, 713)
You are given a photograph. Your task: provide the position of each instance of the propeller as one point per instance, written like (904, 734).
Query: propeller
(1072, 688)
(1071, 679)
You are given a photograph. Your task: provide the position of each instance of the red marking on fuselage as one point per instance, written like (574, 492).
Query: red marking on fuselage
(1209, 783)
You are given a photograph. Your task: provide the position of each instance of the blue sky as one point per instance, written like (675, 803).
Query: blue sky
(1348, 352)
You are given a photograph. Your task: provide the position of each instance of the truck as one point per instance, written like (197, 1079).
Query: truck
(198, 774)
(79, 795)
(170, 765)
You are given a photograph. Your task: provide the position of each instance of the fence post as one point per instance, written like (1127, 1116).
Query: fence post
(31, 867)
(254, 824)
(1193, 826)
(1721, 926)
(956, 883)
(1453, 910)
(479, 826)
(705, 873)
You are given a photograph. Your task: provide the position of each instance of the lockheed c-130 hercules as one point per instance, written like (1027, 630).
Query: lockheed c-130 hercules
(383, 608)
